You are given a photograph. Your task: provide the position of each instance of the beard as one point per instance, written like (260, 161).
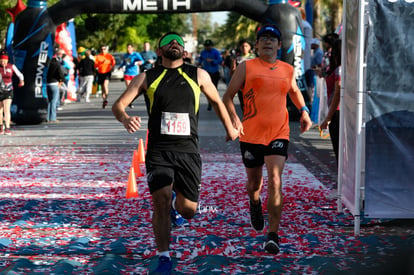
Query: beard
(173, 54)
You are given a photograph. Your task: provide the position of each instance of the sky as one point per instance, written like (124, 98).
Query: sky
(219, 17)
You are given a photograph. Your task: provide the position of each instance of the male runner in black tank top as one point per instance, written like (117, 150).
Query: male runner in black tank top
(173, 163)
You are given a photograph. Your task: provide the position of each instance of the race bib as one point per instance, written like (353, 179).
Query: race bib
(175, 124)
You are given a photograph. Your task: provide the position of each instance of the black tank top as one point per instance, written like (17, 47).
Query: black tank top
(172, 100)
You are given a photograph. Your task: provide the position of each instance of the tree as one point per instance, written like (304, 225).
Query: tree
(237, 27)
(327, 16)
(115, 30)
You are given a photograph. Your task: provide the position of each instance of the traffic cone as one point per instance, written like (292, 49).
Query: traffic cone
(132, 190)
(141, 151)
(135, 164)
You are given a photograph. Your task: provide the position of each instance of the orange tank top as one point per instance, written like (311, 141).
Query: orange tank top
(265, 116)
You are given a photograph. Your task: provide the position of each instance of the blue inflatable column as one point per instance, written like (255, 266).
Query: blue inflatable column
(34, 36)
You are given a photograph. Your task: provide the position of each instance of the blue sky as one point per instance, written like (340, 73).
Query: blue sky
(219, 17)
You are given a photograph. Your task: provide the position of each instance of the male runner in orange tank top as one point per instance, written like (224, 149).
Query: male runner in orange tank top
(265, 82)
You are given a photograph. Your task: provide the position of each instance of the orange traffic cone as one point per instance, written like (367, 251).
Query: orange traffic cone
(141, 151)
(135, 164)
(132, 190)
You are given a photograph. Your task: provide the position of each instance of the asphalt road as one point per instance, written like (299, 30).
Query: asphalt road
(87, 124)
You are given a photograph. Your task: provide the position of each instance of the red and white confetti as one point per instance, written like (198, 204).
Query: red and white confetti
(63, 210)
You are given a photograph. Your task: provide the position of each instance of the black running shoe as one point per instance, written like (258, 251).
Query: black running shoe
(256, 216)
(272, 243)
(104, 103)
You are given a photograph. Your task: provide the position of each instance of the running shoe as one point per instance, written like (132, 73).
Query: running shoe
(176, 218)
(7, 131)
(1, 129)
(256, 216)
(272, 243)
(104, 103)
(164, 266)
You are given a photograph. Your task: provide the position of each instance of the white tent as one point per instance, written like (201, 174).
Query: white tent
(376, 157)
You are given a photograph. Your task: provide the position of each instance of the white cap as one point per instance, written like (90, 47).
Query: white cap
(315, 41)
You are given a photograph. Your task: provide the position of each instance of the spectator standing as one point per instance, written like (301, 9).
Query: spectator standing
(187, 58)
(246, 53)
(328, 41)
(333, 86)
(6, 91)
(210, 60)
(150, 57)
(63, 88)
(317, 56)
(55, 77)
(315, 64)
(308, 34)
(105, 63)
(227, 59)
(265, 82)
(86, 69)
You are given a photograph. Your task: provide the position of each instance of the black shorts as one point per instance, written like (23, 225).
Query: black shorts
(253, 154)
(103, 77)
(182, 169)
(6, 95)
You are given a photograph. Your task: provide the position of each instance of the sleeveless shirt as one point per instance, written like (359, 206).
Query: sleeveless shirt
(265, 116)
(172, 98)
(7, 73)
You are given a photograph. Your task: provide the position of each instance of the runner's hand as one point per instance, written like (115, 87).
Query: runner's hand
(132, 124)
(305, 122)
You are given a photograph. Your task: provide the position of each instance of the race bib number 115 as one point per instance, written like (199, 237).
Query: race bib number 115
(175, 124)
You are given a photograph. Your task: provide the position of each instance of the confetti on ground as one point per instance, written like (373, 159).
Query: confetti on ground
(63, 211)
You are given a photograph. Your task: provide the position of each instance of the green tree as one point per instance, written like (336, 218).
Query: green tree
(237, 27)
(327, 16)
(5, 18)
(115, 30)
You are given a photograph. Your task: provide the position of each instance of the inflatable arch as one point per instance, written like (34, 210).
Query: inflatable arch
(35, 30)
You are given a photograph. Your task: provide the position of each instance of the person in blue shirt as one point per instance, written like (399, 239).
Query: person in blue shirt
(130, 64)
(66, 68)
(150, 57)
(317, 56)
(210, 60)
(315, 65)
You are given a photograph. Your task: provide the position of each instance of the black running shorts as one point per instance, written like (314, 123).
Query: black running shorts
(182, 169)
(253, 154)
(103, 77)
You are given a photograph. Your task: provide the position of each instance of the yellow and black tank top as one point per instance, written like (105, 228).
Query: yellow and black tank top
(172, 98)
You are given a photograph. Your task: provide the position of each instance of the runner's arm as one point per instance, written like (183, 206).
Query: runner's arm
(236, 83)
(134, 89)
